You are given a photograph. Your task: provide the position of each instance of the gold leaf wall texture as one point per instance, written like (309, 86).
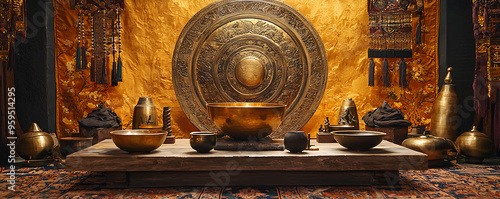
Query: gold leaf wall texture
(150, 32)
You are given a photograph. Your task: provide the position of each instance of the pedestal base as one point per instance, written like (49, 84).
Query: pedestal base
(394, 134)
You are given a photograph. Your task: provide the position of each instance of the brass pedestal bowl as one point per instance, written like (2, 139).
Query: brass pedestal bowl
(358, 140)
(137, 140)
(246, 120)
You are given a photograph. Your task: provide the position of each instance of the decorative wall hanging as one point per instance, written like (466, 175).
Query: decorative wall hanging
(105, 26)
(390, 23)
(12, 23)
(249, 51)
(486, 20)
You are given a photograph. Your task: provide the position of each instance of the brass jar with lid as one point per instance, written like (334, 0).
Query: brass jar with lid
(437, 149)
(474, 145)
(34, 144)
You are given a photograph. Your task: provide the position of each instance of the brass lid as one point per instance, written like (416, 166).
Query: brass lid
(448, 79)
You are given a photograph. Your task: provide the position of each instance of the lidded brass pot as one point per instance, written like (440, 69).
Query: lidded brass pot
(34, 144)
(444, 118)
(437, 149)
(474, 145)
(144, 113)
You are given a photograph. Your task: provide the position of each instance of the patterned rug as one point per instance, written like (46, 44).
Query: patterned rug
(454, 182)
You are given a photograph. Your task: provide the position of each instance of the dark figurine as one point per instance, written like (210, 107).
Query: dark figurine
(321, 129)
(327, 124)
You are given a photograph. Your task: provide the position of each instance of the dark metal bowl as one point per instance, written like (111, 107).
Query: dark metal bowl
(138, 140)
(246, 120)
(203, 141)
(358, 139)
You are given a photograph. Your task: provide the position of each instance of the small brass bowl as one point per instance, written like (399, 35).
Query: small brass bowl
(203, 141)
(358, 139)
(246, 120)
(138, 140)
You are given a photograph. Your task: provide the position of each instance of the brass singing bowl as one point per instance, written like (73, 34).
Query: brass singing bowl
(137, 140)
(358, 139)
(246, 120)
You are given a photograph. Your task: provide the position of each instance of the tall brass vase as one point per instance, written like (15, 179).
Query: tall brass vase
(444, 118)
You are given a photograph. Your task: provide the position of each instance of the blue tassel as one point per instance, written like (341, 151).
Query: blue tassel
(78, 60)
(119, 70)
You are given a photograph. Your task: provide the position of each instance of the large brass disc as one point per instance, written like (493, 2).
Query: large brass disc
(249, 51)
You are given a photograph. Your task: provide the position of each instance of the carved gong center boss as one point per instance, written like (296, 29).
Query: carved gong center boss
(249, 51)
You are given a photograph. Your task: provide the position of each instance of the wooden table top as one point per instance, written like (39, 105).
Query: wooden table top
(105, 156)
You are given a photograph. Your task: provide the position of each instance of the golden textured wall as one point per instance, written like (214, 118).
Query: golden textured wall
(150, 31)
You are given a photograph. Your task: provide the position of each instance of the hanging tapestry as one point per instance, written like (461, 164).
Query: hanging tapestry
(390, 24)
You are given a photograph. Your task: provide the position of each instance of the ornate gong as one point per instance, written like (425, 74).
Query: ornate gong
(249, 51)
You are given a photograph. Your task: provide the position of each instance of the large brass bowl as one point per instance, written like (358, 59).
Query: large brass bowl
(246, 120)
(138, 140)
(358, 139)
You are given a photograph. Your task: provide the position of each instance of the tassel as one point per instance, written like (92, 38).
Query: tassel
(12, 55)
(84, 57)
(104, 75)
(402, 74)
(119, 70)
(371, 73)
(385, 73)
(418, 34)
(78, 60)
(92, 69)
(113, 75)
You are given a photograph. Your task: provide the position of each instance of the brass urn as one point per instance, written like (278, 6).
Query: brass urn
(34, 144)
(437, 149)
(474, 145)
(444, 118)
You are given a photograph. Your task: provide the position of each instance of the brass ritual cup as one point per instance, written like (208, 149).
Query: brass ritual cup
(246, 120)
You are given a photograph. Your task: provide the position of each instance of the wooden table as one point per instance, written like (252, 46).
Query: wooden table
(179, 165)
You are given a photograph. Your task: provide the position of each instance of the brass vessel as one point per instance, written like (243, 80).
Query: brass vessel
(348, 115)
(444, 118)
(474, 145)
(34, 144)
(144, 113)
(138, 140)
(247, 120)
(437, 149)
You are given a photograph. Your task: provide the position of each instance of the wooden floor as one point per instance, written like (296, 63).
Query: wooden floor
(179, 165)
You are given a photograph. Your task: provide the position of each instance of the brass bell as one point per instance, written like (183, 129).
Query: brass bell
(34, 144)
(474, 145)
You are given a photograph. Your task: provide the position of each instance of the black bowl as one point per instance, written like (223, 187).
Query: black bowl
(358, 139)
